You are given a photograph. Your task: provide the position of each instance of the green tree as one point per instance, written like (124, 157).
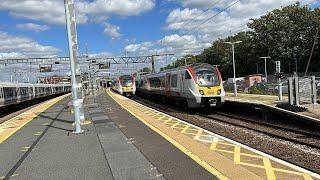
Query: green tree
(286, 34)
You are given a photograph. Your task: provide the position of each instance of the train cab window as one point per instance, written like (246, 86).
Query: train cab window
(187, 75)
(174, 80)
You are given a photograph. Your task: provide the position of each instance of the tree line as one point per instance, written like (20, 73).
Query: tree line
(287, 35)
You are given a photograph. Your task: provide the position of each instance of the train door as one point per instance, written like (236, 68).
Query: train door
(167, 87)
(1, 97)
(187, 84)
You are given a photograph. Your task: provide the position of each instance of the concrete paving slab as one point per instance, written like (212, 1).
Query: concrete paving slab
(96, 110)
(45, 149)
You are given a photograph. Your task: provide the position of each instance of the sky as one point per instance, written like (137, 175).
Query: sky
(36, 28)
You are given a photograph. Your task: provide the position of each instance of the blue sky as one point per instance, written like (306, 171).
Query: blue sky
(32, 28)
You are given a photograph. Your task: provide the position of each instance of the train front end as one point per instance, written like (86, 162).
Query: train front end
(127, 85)
(208, 89)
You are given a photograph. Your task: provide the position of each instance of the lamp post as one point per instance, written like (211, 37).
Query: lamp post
(234, 67)
(74, 63)
(265, 66)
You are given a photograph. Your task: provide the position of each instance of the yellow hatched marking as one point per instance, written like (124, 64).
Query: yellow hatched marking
(172, 122)
(236, 156)
(214, 143)
(198, 134)
(177, 123)
(269, 169)
(185, 128)
(152, 114)
(158, 113)
(160, 118)
(168, 120)
(307, 177)
(180, 127)
(251, 165)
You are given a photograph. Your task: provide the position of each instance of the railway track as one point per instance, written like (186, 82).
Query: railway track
(295, 135)
(311, 139)
(298, 145)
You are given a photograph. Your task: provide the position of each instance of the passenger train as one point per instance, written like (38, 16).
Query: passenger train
(197, 85)
(16, 93)
(125, 85)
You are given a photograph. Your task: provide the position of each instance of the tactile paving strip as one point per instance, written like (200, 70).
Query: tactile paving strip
(260, 163)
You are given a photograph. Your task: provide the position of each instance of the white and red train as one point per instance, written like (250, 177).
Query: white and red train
(197, 85)
(125, 85)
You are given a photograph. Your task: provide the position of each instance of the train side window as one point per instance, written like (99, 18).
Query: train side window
(187, 75)
(174, 80)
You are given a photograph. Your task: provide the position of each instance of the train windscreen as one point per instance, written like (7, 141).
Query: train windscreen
(126, 81)
(207, 77)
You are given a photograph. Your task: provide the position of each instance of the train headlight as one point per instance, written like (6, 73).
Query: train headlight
(201, 92)
(219, 92)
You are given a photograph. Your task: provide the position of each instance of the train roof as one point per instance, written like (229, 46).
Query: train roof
(10, 84)
(194, 65)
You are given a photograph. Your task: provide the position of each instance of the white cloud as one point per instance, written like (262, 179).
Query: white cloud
(52, 11)
(11, 55)
(9, 45)
(139, 48)
(197, 3)
(33, 27)
(171, 44)
(111, 30)
(191, 20)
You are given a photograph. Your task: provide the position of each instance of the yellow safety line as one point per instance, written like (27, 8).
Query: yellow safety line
(7, 132)
(178, 145)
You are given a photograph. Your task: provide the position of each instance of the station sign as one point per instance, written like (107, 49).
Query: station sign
(104, 65)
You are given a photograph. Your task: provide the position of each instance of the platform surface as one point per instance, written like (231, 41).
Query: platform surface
(45, 148)
(220, 156)
(39, 144)
(313, 109)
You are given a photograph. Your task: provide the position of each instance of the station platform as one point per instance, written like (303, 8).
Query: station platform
(126, 140)
(39, 144)
(313, 109)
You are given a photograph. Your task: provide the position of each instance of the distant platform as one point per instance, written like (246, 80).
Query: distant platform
(313, 109)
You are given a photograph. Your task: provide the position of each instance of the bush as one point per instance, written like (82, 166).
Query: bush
(258, 89)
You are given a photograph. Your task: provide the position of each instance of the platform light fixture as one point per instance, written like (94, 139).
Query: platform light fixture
(265, 66)
(234, 66)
